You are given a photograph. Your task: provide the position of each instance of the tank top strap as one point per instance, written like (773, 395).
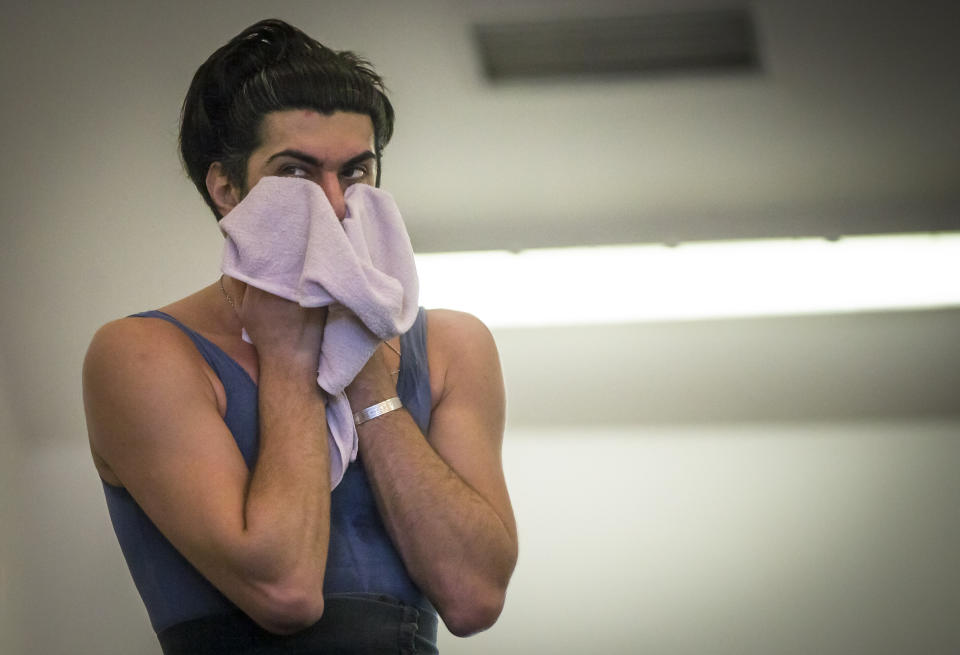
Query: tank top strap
(220, 361)
(241, 391)
(413, 385)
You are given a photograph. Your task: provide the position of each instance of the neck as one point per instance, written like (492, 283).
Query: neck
(207, 311)
(221, 301)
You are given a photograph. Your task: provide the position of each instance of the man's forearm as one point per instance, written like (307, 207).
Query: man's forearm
(455, 546)
(287, 506)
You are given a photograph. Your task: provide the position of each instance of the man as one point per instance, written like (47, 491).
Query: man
(213, 451)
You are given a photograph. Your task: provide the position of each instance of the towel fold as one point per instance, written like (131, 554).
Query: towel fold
(285, 238)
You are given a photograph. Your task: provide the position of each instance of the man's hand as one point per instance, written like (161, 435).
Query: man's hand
(279, 327)
(374, 383)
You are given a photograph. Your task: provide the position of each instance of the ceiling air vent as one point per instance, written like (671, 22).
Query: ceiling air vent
(622, 45)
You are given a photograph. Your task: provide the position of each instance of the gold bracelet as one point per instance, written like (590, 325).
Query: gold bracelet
(373, 411)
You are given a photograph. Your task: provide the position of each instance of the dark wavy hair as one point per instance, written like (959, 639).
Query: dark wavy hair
(271, 66)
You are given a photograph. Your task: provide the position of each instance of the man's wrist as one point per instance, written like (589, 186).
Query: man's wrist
(374, 383)
(376, 410)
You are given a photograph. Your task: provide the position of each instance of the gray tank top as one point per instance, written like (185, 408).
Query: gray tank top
(361, 557)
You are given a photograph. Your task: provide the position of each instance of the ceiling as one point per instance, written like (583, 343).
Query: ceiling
(850, 127)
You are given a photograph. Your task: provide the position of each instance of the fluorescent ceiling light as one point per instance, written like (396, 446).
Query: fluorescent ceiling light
(721, 279)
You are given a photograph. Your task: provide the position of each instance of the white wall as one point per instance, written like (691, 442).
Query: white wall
(819, 538)
(768, 538)
(10, 559)
(831, 538)
(78, 596)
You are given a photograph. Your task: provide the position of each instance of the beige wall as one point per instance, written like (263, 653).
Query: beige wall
(832, 538)
(757, 536)
(10, 549)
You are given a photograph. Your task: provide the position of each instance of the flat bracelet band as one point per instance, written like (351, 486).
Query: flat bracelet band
(373, 411)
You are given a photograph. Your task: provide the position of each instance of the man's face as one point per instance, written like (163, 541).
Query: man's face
(335, 151)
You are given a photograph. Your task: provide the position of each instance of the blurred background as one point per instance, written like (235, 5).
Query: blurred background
(774, 484)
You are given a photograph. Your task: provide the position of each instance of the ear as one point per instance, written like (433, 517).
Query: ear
(225, 195)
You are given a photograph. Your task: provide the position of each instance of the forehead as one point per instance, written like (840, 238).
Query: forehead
(311, 131)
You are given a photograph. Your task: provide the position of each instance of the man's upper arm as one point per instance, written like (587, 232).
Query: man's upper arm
(152, 416)
(467, 423)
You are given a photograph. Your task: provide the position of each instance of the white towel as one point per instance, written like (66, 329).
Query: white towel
(285, 238)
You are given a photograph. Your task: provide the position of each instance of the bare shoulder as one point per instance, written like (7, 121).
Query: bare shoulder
(451, 324)
(138, 370)
(130, 332)
(453, 335)
(458, 344)
(141, 347)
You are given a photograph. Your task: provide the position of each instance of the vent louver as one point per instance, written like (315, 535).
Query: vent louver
(624, 45)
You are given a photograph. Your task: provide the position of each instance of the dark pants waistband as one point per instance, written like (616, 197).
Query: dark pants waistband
(362, 623)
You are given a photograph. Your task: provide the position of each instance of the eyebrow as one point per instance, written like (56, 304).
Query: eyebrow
(313, 161)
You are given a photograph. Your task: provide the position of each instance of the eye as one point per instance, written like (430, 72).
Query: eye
(293, 170)
(354, 173)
